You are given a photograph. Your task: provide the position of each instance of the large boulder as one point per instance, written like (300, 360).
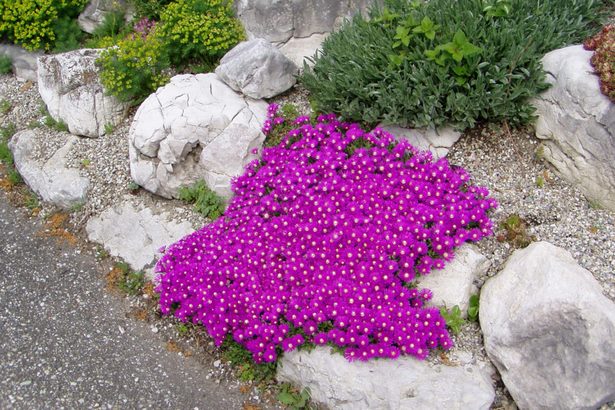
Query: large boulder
(577, 123)
(49, 178)
(94, 13)
(70, 87)
(195, 127)
(135, 233)
(403, 383)
(283, 20)
(257, 69)
(454, 284)
(549, 330)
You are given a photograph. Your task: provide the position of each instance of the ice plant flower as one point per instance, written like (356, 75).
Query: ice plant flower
(322, 243)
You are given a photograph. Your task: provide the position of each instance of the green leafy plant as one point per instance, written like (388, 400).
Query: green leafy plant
(5, 106)
(199, 30)
(6, 132)
(133, 187)
(292, 397)
(241, 359)
(206, 202)
(135, 68)
(109, 128)
(6, 65)
(515, 231)
(540, 181)
(444, 61)
(86, 162)
(129, 281)
(39, 24)
(68, 35)
(473, 308)
(453, 318)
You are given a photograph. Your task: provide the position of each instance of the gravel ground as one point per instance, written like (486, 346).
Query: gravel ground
(506, 161)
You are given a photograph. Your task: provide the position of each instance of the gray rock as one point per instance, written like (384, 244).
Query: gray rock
(135, 233)
(577, 123)
(302, 25)
(70, 87)
(301, 50)
(24, 62)
(51, 180)
(438, 141)
(454, 284)
(174, 126)
(94, 13)
(404, 383)
(550, 331)
(257, 69)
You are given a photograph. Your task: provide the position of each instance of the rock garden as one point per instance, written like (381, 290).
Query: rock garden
(378, 205)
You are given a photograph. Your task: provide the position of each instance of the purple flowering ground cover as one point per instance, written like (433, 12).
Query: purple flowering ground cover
(321, 245)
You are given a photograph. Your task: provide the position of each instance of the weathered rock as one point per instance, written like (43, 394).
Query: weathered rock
(438, 141)
(135, 233)
(302, 50)
(549, 330)
(51, 180)
(577, 123)
(94, 13)
(257, 69)
(404, 383)
(70, 87)
(293, 21)
(454, 284)
(24, 62)
(171, 132)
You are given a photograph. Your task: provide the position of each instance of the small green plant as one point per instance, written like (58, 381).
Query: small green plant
(473, 308)
(109, 128)
(101, 253)
(113, 25)
(34, 124)
(129, 281)
(77, 207)
(31, 201)
(6, 65)
(540, 181)
(13, 177)
(293, 398)
(515, 231)
(241, 359)
(50, 122)
(206, 202)
(133, 187)
(6, 132)
(182, 329)
(5, 106)
(453, 318)
(86, 162)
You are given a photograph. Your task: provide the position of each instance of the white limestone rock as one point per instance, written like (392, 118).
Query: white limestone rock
(454, 284)
(70, 87)
(170, 135)
(403, 383)
(302, 50)
(94, 13)
(257, 69)
(51, 180)
(438, 141)
(549, 330)
(577, 123)
(135, 233)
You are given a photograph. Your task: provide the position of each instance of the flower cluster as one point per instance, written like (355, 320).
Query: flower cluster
(143, 27)
(322, 242)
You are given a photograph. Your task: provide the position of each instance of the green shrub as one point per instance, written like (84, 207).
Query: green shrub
(206, 202)
(6, 65)
(444, 61)
(197, 31)
(34, 24)
(68, 35)
(135, 68)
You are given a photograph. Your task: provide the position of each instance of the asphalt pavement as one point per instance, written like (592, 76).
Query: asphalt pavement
(65, 342)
